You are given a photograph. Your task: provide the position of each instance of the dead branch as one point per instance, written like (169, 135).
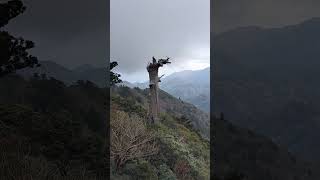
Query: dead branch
(130, 139)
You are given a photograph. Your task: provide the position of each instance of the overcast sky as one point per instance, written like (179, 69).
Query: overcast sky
(70, 32)
(229, 14)
(140, 29)
(73, 32)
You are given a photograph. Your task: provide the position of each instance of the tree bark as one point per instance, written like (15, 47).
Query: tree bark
(153, 69)
(154, 86)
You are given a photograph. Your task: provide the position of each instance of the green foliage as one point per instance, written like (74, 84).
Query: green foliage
(125, 92)
(140, 170)
(185, 121)
(13, 51)
(114, 77)
(10, 10)
(65, 125)
(19, 165)
(165, 173)
(128, 105)
(177, 140)
(57, 137)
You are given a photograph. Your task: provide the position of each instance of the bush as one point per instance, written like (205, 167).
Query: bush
(130, 139)
(17, 163)
(186, 122)
(165, 173)
(140, 170)
(182, 169)
(128, 105)
(54, 137)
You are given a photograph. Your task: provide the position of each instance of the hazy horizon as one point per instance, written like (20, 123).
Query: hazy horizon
(123, 78)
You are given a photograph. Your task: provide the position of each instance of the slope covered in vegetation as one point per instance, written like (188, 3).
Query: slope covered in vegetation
(178, 149)
(169, 105)
(242, 152)
(267, 80)
(50, 130)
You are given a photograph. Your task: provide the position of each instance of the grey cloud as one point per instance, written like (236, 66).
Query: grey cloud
(141, 29)
(74, 32)
(229, 14)
(70, 32)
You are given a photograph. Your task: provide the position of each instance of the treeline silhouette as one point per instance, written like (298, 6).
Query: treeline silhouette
(14, 50)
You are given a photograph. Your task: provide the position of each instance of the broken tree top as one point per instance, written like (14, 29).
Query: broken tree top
(156, 64)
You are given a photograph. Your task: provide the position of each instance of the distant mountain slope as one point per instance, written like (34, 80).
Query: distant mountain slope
(83, 72)
(51, 69)
(267, 80)
(190, 86)
(199, 119)
(83, 68)
(241, 151)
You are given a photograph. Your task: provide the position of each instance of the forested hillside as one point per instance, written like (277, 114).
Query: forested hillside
(266, 79)
(59, 130)
(190, 86)
(240, 153)
(52, 130)
(68, 75)
(176, 148)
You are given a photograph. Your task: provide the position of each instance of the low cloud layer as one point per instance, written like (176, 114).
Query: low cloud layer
(229, 14)
(73, 32)
(70, 32)
(179, 29)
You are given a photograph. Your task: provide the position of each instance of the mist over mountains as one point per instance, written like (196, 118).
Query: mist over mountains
(88, 72)
(190, 86)
(267, 80)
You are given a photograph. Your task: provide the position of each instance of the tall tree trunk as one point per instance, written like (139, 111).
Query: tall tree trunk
(154, 80)
(154, 99)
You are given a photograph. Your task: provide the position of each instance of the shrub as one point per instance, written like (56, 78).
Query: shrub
(17, 163)
(165, 173)
(128, 105)
(141, 170)
(185, 121)
(130, 139)
(182, 169)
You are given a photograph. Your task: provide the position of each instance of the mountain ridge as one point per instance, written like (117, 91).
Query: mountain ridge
(192, 86)
(83, 72)
(266, 81)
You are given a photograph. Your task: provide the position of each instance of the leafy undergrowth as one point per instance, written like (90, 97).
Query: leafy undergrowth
(51, 131)
(184, 145)
(54, 131)
(40, 146)
(183, 153)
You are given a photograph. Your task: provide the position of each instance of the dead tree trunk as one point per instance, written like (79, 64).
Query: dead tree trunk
(153, 69)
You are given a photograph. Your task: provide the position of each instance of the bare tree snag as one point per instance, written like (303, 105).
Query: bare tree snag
(154, 79)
